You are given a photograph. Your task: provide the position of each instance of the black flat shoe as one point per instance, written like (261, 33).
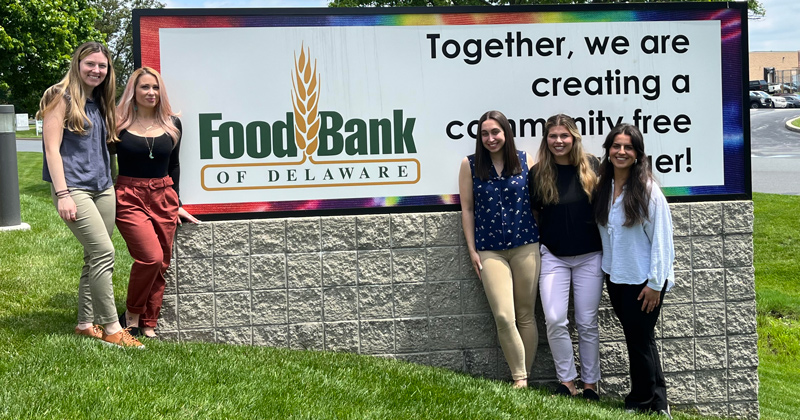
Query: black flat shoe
(563, 391)
(590, 395)
(123, 322)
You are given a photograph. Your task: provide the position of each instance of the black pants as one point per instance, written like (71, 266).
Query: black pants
(648, 386)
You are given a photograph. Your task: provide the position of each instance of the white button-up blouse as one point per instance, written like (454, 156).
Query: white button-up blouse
(642, 252)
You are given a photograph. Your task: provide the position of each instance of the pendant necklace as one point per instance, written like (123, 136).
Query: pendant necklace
(149, 144)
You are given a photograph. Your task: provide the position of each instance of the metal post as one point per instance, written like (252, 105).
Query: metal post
(9, 178)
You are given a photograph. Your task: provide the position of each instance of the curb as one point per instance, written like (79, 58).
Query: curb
(791, 127)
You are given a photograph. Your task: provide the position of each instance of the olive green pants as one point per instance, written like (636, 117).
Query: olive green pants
(93, 228)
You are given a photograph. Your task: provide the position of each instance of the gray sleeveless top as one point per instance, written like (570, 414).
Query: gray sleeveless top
(87, 164)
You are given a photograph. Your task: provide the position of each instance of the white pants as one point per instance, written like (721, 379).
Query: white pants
(585, 274)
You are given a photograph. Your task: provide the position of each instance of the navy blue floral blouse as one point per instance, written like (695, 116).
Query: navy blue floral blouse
(503, 218)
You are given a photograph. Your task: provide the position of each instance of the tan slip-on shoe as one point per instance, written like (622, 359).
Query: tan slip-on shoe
(122, 338)
(94, 331)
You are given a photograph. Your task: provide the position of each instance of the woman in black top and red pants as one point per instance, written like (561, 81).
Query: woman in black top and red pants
(148, 208)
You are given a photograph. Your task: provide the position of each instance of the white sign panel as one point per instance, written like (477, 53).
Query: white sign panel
(22, 122)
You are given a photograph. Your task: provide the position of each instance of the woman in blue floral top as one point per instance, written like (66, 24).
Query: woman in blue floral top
(502, 237)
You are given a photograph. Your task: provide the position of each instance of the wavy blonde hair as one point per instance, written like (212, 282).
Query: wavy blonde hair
(545, 180)
(127, 105)
(70, 89)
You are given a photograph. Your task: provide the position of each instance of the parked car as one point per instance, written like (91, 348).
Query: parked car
(778, 102)
(758, 85)
(765, 101)
(758, 101)
(792, 100)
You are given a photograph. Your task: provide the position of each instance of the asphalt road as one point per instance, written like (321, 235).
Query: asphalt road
(775, 151)
(29, 145)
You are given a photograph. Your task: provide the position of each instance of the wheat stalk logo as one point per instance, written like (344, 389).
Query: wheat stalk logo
(305, 98)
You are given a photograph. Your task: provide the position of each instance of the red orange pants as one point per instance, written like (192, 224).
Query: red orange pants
(147, 216)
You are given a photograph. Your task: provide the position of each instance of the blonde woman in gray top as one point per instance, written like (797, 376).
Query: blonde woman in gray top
(78, 122)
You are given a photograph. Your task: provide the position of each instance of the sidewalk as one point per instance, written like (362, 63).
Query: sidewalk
(29, 145)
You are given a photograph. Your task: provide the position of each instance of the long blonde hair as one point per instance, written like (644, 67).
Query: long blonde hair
(127, 105)
(70, 89)
(545, 175)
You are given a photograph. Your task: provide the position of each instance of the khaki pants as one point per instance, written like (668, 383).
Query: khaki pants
(510, 279)
(93, 228)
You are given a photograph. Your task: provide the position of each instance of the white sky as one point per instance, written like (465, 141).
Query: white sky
(778, 31)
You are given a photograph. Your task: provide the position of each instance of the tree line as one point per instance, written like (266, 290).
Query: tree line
(38, 37)
(755, 6)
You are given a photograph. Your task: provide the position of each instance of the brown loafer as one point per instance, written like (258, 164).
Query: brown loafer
(94, 331)
(122, 338)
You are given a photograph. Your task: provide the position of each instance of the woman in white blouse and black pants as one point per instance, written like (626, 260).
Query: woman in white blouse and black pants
(636, 230)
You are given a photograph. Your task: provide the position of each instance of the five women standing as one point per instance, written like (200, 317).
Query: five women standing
(498, 201)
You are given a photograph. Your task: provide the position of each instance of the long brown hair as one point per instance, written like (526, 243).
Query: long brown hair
(127, 105)
(70, 89)
(545, 179)
(637, 189)
(483, 161)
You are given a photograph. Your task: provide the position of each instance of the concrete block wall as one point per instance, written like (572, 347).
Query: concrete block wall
(401, 286)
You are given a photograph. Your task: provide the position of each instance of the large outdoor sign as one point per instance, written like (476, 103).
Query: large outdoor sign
(368, 109)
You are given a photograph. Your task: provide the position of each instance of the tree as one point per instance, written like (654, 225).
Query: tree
(755, 6)
(115, 21)
(37, 39)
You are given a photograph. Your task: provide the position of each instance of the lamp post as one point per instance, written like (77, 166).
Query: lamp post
(9, 178)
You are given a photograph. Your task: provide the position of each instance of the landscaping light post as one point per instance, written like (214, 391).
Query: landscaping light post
(9, 178)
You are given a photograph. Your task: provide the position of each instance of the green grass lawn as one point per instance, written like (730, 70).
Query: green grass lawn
(777, 263)
(47, 372)
(28, 134)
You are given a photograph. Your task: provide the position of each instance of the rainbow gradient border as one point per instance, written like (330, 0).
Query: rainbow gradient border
(733, 24)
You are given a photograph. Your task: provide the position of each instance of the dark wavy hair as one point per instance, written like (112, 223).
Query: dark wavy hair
(637, 191)
(483, 161)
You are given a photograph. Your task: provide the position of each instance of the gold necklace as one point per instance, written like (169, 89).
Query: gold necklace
(148, 127)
